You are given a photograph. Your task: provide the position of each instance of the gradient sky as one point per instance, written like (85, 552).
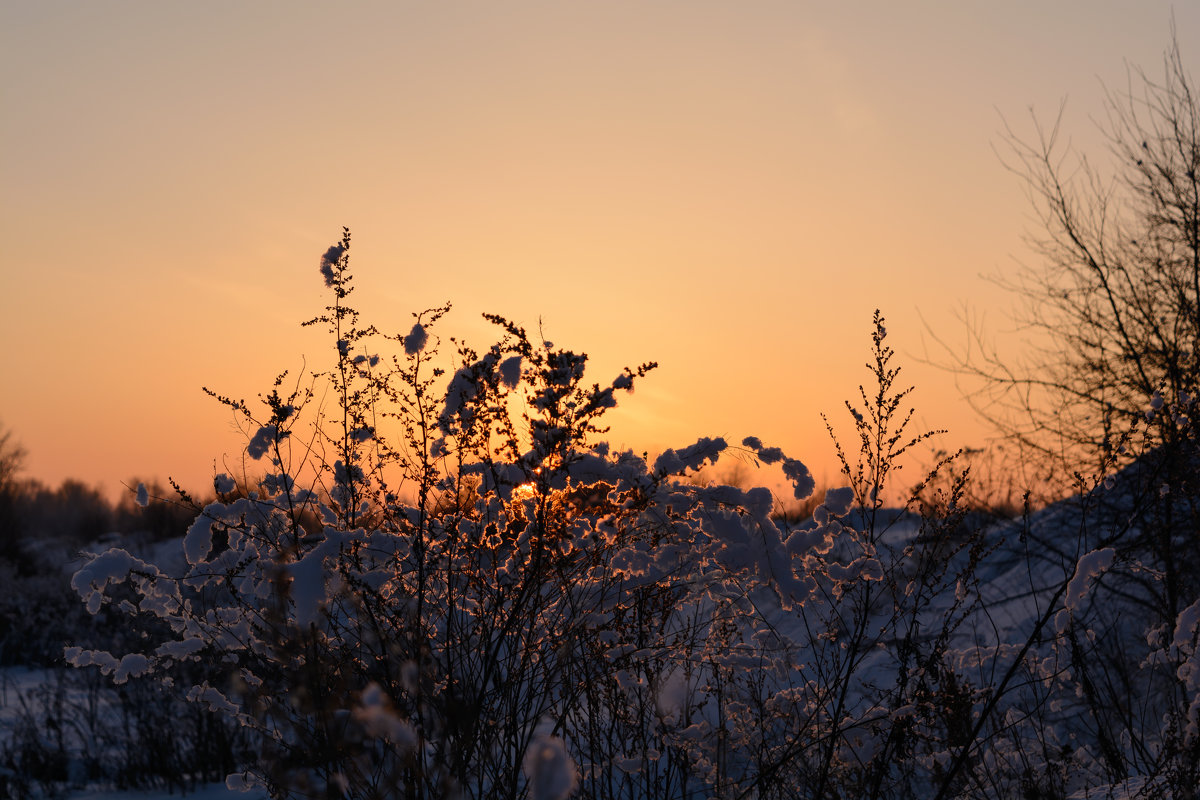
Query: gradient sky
(727, 188)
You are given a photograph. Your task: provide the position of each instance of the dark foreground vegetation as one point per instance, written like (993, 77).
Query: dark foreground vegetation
(61, 727)
(443, 582)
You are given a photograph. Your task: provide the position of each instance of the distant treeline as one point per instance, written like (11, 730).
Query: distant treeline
(37, 521)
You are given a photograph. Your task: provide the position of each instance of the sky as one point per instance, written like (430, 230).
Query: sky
(729, 189)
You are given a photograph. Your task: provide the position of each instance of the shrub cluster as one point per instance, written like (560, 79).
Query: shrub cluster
(445, 583)
(61, 727)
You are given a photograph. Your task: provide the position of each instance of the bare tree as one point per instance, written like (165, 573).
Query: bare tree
(1111, 313)
(1112, 309)
(12, 460)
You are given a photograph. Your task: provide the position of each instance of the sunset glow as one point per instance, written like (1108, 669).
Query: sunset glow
(727, 189)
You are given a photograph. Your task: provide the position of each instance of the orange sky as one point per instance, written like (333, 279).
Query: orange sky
(726, 188)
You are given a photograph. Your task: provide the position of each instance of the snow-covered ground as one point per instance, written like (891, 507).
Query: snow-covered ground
(28, 698)
(212, 791)
(1025, 591)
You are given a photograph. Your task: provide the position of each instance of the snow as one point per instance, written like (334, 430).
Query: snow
(378, 719)
(416, 339)
(114, 565)
(330, 260)
(307, 590)
(212, 698)
(673, 462)
(802, 480)
(550, 771)
(198, 541)
(461, 390)
(1091, 566)
(132, 665)
(1186, 625)
(767, 455)
(262, 440)
(211, 791)
(510, 371)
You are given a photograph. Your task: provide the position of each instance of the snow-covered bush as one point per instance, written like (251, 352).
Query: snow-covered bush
(446, 583)
(442, 576)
